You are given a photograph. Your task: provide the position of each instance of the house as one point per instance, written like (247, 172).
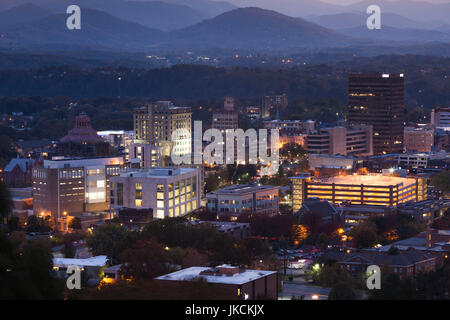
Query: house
(404, 263)
(18, 173)
(321, 207)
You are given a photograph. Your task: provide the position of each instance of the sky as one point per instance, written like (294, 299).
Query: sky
(354, 1)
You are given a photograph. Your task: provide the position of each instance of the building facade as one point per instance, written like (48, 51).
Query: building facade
(418, 139)
(273, 102)
(170, 192)
(367, 189)
(356, 140)
(155, 124)
(226, 118)
(70, 187)
(237, 199)
(440, 117)
(235, 283)
(378, 100)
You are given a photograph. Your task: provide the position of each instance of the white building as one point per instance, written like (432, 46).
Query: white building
(169, 192)
(237, 199)
(440, 117)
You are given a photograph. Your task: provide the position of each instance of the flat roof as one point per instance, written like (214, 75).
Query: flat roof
(98, 261)
(192, 273)
(58, 162)
(370, 180)
(157, 172)
(243, 188)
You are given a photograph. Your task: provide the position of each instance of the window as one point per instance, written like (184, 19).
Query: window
(160, 192)
(160, 214)
(138, 195)
(120, 194)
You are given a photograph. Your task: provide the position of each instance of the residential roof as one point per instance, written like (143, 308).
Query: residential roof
(320, 206)
(22, 163)
(403, 258)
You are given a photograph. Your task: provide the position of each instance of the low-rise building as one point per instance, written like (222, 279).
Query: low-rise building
(169, 192)
(248, 198)
(322, 208)
(404, 264)
(236, 283)
(373, 189)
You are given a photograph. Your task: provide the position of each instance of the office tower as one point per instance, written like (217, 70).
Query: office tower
(378, 100)
(274, 102)
(154, 125)
(226, 118)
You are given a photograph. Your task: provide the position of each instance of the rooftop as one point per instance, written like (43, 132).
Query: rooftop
(157, 172)
(62, 162)
(98, 261)
(192, 273)
(243, 188)
(371, 180)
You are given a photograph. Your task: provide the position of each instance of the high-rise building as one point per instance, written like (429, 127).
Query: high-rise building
(226, 118)
(378, 100)
(274, 102)
(356, 140)
(155, 124)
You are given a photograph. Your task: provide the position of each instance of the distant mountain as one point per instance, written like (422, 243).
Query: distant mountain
(8, 4)
(209, 8)
(98, 29)
(153, 14)
(415, 10)
(395, 34)
(255, 28)
(357, 19)
(22, 14)
(294, 8)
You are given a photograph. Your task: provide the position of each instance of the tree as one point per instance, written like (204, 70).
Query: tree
(364, 237)
(28, 265)
(145, 260)
(75, 223)
(441, 180)
(341, 291)
(110, 240)
(37, 224)
(5, 203)
(322, 241)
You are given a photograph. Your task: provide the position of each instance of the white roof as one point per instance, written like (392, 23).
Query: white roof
(98, 261)
(194, 272)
